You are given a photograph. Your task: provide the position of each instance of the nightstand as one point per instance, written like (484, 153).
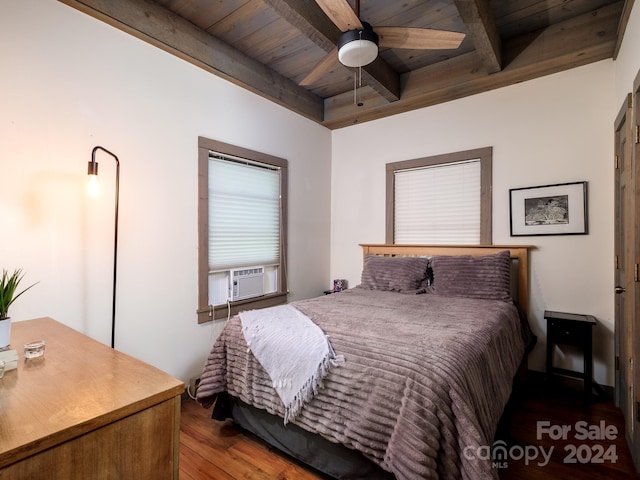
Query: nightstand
(576, 330)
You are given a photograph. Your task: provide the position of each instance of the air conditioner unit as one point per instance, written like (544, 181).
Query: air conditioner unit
(246, 283)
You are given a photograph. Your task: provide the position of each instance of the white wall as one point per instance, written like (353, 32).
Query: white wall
(551, 130)
(70, 82)
(628, 61)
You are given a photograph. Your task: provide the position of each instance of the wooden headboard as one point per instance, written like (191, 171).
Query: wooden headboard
(520, 253)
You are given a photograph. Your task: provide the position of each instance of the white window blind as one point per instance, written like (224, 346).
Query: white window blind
(438, 204)
(244, 213)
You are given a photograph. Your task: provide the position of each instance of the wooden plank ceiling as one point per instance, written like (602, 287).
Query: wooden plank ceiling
(272, 47)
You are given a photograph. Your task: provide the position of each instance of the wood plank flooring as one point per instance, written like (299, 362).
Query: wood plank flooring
(220, 451)
(558, 407)
(212, 450)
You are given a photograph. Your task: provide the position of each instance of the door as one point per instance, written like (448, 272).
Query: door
(627, 275)
(633, 288)
(623, 255)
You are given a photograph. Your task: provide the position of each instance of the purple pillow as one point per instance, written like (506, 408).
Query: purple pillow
(395, 274)
(487, 276)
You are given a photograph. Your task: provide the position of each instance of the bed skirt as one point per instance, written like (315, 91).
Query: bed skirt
(327, 457)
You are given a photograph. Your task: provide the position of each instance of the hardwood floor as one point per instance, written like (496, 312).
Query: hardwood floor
(212, 450)
(535, 420)
(220, 451)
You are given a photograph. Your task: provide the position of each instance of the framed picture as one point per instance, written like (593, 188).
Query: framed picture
(549, 210)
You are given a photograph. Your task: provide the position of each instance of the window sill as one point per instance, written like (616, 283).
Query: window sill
(223, 311)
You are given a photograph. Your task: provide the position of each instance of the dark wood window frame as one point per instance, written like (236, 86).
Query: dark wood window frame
(206, 312)
(484, 154)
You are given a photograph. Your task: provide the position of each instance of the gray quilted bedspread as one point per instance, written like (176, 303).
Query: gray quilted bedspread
(424, 384)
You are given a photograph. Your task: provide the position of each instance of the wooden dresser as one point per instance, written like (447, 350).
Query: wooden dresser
(85, 411)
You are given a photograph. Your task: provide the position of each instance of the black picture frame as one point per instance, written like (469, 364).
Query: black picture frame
(559, 209)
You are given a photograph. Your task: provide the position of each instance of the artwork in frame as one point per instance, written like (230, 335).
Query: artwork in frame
(559, 209)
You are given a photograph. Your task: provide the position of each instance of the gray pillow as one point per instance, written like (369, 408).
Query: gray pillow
(396, 274)
(487, 276)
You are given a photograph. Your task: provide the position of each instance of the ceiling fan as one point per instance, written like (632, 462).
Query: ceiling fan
(358, 44)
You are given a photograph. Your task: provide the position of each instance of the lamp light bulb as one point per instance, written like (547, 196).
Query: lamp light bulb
(93, 187)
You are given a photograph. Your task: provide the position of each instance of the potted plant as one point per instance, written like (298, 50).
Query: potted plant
(8, 294)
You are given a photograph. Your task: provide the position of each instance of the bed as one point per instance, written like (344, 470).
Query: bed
(432, 340)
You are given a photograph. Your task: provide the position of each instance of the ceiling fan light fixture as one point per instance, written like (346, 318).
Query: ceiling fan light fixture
(357, 48)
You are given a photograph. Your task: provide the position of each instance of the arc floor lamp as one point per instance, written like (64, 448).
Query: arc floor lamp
(93, 178)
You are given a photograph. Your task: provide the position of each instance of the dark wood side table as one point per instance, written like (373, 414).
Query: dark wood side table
(576, 330)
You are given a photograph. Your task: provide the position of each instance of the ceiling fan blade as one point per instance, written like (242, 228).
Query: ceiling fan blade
(341, 14)
(418, 38)
(323, 66)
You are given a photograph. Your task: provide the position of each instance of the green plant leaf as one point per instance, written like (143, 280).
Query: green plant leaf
(8, 287)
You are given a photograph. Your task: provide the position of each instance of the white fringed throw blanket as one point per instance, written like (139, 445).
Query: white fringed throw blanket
(293, 350)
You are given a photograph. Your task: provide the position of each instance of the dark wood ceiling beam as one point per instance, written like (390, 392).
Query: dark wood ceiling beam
(309, 18)
(161, 28)
(622, 26)
(382, 78)
(481, 27)
(579, 41)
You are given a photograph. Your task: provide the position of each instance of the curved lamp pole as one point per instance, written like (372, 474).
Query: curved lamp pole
(93, 172)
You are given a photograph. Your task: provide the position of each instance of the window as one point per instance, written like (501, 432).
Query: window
(242, 229)
(445, 199)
